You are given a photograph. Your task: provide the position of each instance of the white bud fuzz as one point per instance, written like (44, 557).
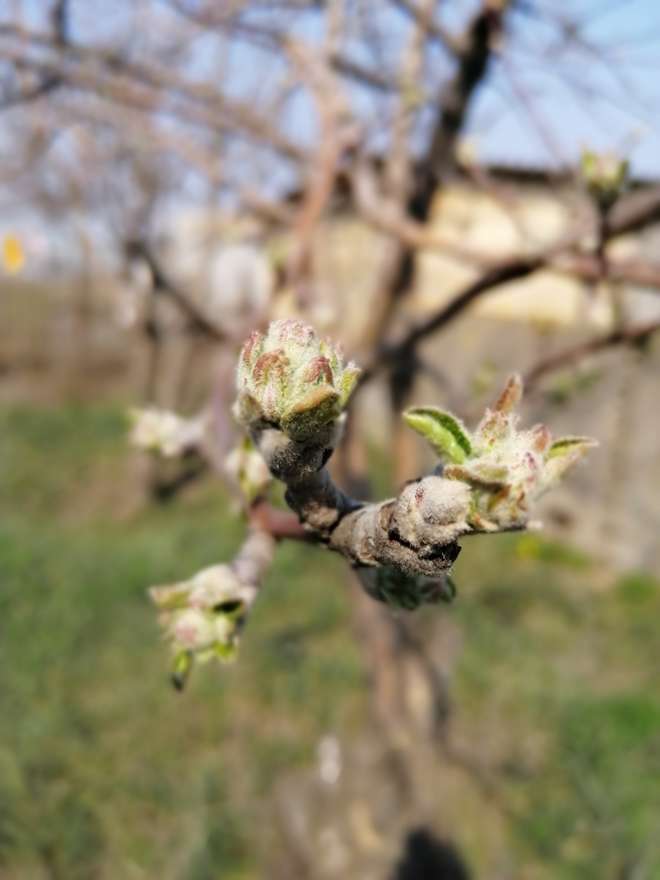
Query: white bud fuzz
(504, 469)
(432, 511)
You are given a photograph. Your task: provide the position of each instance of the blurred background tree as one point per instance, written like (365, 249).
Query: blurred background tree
(406, 175)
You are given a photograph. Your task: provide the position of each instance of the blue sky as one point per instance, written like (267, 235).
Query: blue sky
(547, 98)
(543, 102)
(608, 102)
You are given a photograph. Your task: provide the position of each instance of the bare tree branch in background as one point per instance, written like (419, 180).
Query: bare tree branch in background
(571, 356)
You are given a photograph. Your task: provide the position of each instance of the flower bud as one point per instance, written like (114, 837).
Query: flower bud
(164, 432)
(292, 379)
(202, 617)
(605, 175)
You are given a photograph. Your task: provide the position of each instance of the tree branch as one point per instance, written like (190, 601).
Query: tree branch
(429, 23)
(265, 37)
(163, 284)
(453, 101)
(570, 356)
(415, 532)
(631, 214)
(143, 87)
(502, 274)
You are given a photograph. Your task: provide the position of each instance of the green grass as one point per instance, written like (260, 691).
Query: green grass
(106, 772)
(570, 672)
(103, 768)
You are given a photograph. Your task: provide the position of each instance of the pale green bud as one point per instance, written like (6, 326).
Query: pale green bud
(202, 617)
(292, 379)
(605, 175)
(164, 432)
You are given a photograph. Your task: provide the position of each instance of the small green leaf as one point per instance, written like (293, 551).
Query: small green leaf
(181, 666)
(347, 382)
(480, 523)
(226, 651)
(442, 430)
(562, 455)
(566, 445)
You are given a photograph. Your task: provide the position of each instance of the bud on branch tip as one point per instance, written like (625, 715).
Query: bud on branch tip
(201, 618)
(605, 176)
(505, 468)
(292, 379)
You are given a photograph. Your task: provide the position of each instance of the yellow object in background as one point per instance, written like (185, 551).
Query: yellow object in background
(13, 255)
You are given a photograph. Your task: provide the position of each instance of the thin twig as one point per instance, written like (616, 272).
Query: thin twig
(570, 356)
(163, 284)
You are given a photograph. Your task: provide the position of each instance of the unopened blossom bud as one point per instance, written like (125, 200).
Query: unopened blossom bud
(164, 432)
(605, 175)
(202, 617)
(292, 379)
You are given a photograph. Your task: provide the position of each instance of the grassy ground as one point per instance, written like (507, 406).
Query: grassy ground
(105, 772)
(564, 662)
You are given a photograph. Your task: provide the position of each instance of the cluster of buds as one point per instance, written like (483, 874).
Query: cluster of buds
(165, 433)
(605, 175)
(505, 468)
(202, 617)
(291, 379)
